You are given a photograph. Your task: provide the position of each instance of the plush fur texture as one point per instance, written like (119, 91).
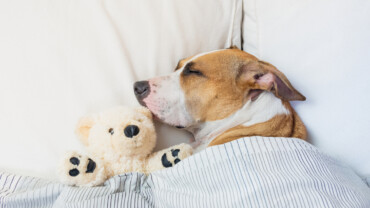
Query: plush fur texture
(119, 140)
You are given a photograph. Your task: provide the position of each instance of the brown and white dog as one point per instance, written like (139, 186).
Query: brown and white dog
(224, 95)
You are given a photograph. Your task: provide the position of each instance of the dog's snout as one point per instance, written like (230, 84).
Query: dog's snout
(141, 89)
(131, 131)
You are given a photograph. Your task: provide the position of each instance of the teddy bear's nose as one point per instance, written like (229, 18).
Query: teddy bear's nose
(131, 131)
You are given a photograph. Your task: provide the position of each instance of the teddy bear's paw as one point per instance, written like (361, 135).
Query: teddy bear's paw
(176, 154)
(80, 170)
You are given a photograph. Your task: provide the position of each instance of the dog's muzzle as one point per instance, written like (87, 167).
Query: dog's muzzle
(141, 90)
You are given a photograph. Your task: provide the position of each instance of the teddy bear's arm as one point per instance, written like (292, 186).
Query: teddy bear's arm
(168, 157)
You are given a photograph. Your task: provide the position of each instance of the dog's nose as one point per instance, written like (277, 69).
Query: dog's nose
(141, 89)
(131, 131)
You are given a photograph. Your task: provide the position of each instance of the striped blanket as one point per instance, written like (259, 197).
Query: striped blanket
(249, 172)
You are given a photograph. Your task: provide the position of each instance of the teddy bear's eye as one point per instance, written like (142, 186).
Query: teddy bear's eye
(111, 131)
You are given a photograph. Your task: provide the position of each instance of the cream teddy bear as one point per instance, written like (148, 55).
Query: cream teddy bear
(119, 140)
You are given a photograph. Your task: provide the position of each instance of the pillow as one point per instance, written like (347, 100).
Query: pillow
(323, 47)
(61, 60)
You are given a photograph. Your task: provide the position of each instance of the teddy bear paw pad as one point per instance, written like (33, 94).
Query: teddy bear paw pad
(80, 170)
(91, 165)
(169, 159)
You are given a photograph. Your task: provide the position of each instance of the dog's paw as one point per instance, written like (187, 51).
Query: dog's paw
(80, 170)
(176, 154)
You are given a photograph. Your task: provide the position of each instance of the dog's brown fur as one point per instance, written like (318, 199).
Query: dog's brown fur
(228, 80)
(279, 126)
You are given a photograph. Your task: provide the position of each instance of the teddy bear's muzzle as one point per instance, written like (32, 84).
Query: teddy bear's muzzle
(131, 131)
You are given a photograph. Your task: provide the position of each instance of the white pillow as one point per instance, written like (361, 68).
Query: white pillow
(61, 60)
(324, 49)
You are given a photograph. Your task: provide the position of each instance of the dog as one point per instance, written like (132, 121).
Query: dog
(223, 95)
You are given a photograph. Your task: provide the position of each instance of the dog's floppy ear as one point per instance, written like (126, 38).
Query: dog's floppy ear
(83, 128)
(259, 76)
(233, 47)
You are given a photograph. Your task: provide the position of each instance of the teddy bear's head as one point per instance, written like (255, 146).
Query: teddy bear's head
(118, 132)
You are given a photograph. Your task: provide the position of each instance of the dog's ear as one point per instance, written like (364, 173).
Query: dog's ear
(83, 128)
(258, 76)
(233, 47)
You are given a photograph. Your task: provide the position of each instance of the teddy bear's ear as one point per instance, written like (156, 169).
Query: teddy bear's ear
(83, 128)
(145, 111)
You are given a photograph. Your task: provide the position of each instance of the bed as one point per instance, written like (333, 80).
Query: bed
(61, 60)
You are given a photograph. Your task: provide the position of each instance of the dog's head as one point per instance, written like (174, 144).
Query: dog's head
(211, 86)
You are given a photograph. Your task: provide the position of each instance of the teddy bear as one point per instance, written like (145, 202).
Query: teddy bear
(117, 141)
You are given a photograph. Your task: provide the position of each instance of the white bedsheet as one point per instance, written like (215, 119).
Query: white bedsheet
(248, 172)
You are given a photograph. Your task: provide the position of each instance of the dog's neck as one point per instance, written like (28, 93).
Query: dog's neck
(261, 110)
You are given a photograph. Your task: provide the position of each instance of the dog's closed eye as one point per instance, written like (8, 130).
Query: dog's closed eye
(188, 70)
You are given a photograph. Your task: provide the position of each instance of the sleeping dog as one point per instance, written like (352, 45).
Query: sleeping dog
(223, 95)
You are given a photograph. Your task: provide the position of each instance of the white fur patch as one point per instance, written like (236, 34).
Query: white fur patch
(167, 100)
(263, 109)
